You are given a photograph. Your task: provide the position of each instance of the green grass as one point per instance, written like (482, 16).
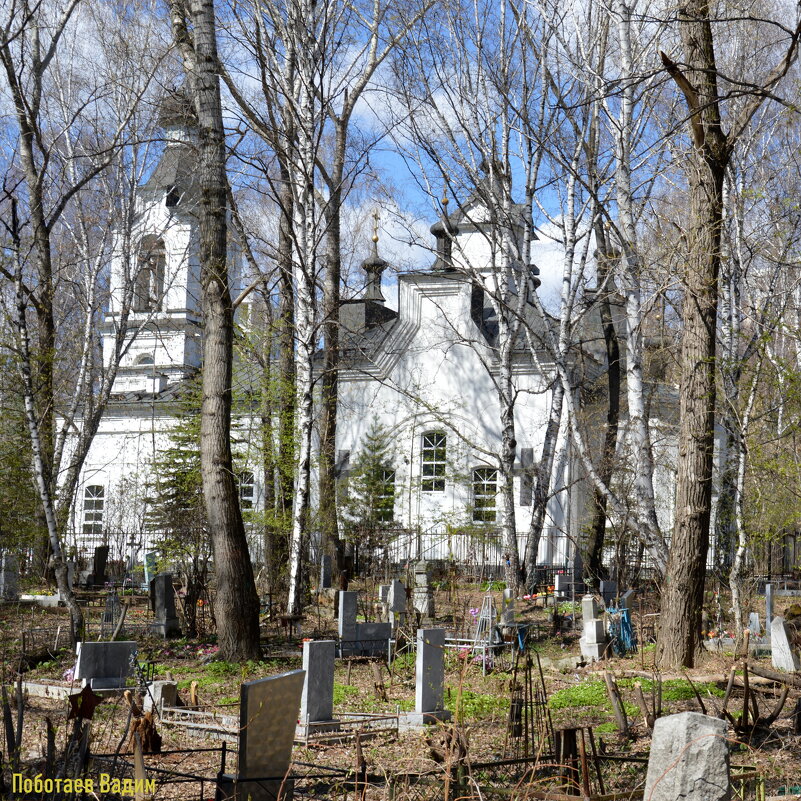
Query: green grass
(343, 691)
(588, 693)
(477, 706)
(676, 689)
(605, 728)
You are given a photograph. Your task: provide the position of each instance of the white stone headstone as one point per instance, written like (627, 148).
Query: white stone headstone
(689, 759)
(783, 655)
(508, 608)
(589, 608)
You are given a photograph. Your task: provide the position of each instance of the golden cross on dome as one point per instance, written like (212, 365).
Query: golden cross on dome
(375, 226)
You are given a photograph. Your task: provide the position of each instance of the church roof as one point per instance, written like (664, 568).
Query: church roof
(176, 169)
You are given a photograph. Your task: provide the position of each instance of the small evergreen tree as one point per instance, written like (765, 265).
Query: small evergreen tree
(176, 512)
(368, 510)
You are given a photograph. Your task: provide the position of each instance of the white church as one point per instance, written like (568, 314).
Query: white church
(424, 370)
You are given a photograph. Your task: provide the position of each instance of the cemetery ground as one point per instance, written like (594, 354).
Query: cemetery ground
(478, 692)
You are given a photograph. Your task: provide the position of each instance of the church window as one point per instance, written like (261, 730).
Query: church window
(94, 501)
(433, 461)
(385, 500)
(144, 360)
(485, 490)
(149, 285)
(247, 489)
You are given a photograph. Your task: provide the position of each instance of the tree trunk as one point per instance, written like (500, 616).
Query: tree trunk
(593, 566)
(542, 482)
(683, 590)
(286, 360)
(329, 529)
(237, 603)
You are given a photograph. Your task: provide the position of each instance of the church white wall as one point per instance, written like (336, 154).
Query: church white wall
(441, 379)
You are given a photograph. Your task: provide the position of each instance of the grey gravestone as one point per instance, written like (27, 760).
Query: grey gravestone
(396, 601)
(784, 656)
(317, 700)
(325, 572)
(429, 678)
(268, 714)
(627, 599)
(754, 625)
(423, 591)
(768, 607)
(111, 614)
(9, 577)
(347, 621)
(105, 664)
(561, 585)
(608, 591)
(161, 694)
(689, 759)
(162, 604)
(373, 638)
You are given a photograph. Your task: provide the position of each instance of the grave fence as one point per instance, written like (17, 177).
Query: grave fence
(348, 726)
(174, 781)
(609, 778)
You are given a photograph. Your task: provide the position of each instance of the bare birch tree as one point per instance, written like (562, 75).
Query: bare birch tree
(49, 203)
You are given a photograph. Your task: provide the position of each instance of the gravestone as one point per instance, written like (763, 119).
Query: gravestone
(627, 599)
(508, 609)
(783, 654)
(396, 601)
(317, 699)
(608, 591)
(268, 715)
(593, 640)
(561, 585)
(768, 607)
(754, 625)
(9, 577)
(423, 591)
(372, 639)
(105, 665)
(346, 621)
(429, 677)
(162, 604)
(98, 576)
(325, 572)
(111, 614)
(160, 694)
(689, 759)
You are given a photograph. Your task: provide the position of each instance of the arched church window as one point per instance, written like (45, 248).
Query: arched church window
(149, 286)
(432, 461)
(144, 359)
(94, 502)
(485, 490)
